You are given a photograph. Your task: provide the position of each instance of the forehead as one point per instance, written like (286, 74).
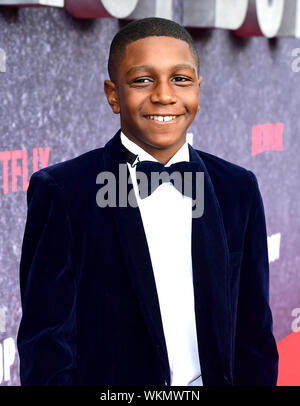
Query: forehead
(159, 52)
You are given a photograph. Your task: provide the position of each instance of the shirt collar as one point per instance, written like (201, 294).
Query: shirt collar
(181, 155)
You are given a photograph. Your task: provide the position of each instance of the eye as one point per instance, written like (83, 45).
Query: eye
(141, 80)
(181, 79)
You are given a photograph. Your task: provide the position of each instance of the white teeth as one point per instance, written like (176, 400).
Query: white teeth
(162, 118)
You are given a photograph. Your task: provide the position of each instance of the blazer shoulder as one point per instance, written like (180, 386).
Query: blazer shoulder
(220, 167)
(228, 178)
(217, 163)
(75, 173)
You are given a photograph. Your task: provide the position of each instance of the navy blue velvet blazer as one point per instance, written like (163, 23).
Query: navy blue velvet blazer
(90, 308)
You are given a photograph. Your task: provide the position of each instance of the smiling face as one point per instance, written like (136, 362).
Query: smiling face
(156, 92)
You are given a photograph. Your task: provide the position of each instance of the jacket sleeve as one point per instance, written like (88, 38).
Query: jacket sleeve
(47, 332)
(256, 357)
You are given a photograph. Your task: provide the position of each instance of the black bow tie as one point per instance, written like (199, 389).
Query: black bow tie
(181, 174)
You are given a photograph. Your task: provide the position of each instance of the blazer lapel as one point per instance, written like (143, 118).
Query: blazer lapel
(210, 275)
(211, 286)
(130, 228)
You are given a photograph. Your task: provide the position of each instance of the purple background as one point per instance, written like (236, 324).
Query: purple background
(52, 95)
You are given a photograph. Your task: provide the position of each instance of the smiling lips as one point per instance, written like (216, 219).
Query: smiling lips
(163, 118)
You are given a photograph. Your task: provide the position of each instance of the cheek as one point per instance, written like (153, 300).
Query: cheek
(131, 104)
(191, 101)
(192, 107)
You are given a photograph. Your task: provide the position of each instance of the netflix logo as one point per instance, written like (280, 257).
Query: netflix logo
(15, 167)
(267, 137)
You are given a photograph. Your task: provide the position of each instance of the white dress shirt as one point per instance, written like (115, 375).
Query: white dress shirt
(167, 220)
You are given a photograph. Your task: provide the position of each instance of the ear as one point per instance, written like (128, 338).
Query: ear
(200, 80)
(112, 95)
(199, 84)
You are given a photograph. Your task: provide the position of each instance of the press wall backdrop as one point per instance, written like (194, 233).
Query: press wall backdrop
(53, 108)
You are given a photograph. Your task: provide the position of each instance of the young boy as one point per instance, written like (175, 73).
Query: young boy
(146, 293)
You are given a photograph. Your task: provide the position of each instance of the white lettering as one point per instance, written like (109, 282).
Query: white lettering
(290, 23)
(274, 247)
(2, 61)
(9, 353)
(122, 396)
(1, 363)
(296, 322)
(101, 8)
(247, 17)
(269, 16)
(296, 61)
(214, 13)
(7, 358)
(53, 3)
(2, 320)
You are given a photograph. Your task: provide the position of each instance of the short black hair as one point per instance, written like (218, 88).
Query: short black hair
(143, 28)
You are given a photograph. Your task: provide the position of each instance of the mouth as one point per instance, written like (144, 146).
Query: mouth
(163, 119)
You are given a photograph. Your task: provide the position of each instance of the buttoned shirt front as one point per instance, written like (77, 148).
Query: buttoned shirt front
(167, 219)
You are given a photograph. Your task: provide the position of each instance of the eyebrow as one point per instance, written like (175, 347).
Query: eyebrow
(151, 67)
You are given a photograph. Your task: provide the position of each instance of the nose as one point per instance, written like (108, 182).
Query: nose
(163, 93)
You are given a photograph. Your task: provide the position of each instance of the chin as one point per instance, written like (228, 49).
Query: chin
(166, 143)
(164, 138)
